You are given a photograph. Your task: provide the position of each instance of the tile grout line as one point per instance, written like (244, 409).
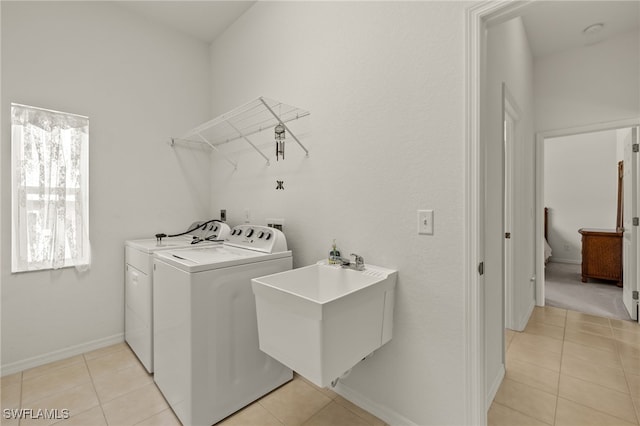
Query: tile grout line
(594, 409)
(564, 332)
(521, 412)
(558, 397)
(530, 387)
(21, 388)
(353, 411)
(538, 366)
(94, 389)
(147, 418)
(100, 402)
(588, 381)
(636, 409)
(611, 339)
(311, 416)
(606, 366)
(265, 408)
(126, 393)
(259, 401)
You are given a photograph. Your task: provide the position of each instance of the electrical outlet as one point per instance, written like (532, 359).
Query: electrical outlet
(275, 223)
(425, 222)
(223, 215)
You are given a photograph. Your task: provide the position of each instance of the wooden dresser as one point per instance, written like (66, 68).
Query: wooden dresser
(602, 254)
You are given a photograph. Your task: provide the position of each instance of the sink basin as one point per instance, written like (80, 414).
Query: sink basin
(321, 320)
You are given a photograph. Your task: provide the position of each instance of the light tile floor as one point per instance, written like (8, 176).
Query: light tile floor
(569, 368)
(566, 368)
(109, 386)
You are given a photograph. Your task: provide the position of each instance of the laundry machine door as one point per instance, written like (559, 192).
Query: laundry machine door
(138, 315)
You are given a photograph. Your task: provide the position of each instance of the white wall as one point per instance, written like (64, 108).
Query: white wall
(384, 82)
(580, 189)
(509, 60)
(139, 84)
(588, 85)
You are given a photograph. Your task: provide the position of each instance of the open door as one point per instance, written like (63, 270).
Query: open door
(630, 222)
(511, 116)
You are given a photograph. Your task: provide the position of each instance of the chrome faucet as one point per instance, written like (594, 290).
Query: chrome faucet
(356, 263)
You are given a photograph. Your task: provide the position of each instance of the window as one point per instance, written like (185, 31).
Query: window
(50, 183)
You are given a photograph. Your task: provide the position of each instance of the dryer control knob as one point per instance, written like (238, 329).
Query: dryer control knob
(249, 232)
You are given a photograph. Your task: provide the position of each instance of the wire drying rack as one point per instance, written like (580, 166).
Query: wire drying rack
(243, 122)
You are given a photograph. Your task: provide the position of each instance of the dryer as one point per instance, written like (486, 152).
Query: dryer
(207, 360)
(138, 310)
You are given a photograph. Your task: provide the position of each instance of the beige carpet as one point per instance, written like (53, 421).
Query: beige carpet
(563, 289)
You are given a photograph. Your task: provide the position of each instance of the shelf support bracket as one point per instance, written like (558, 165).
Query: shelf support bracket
(306, 151)
(248, 141)
(205, 140)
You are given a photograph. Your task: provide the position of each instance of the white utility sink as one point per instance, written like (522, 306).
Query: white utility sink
(321, 320)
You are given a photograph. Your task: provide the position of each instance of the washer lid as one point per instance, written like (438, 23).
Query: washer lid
(150, 245)
(214, 257)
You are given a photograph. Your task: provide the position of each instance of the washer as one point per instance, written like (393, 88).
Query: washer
(207, 360)
(138, 313)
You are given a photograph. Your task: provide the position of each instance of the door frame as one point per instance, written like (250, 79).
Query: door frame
(630, 235)
(477, 18)
(539, 205)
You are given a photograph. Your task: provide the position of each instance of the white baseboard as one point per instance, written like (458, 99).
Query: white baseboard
(39, 360)
(524, 319)
(493, 390)
(383, 412)
(561, 260)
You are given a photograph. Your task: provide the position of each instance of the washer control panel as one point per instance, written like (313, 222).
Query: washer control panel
(257, 237)
(213, 231)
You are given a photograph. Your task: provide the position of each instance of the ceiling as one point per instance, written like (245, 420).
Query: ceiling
(556, 26)
(552, 26)
(204, 20)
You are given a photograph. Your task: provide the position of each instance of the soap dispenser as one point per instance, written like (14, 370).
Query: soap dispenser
(334, 254)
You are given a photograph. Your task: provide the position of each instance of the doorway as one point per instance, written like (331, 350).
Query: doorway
(577, 182)
(484, 369)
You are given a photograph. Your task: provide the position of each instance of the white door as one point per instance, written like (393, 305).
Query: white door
(511, 116)
(509, 134)
(630, 212)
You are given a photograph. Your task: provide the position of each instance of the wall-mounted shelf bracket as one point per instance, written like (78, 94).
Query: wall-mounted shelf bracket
(215, 148)
(212, 146)
(248, 141)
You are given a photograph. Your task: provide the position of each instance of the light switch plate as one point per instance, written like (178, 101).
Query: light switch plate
(425, 222)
